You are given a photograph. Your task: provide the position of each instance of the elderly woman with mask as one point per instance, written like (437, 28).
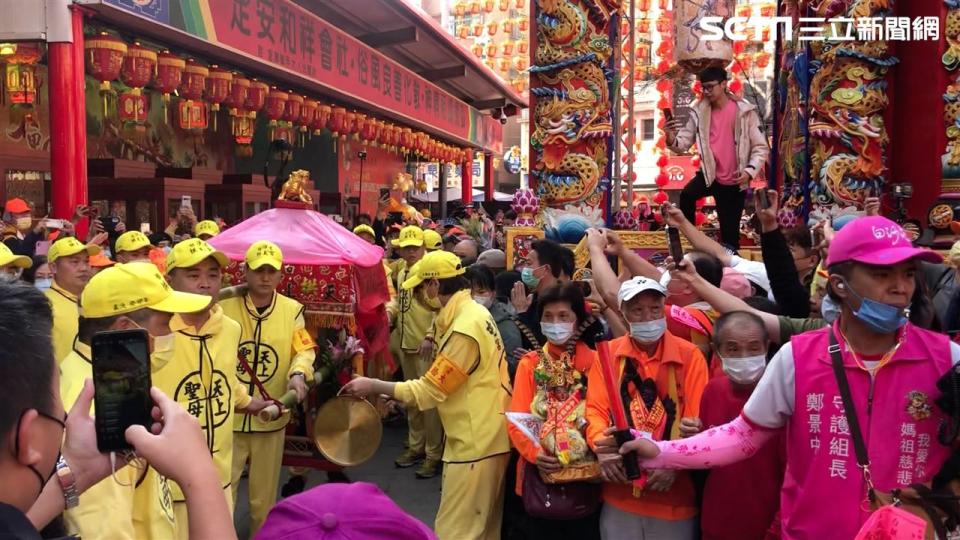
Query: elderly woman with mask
(661, 382)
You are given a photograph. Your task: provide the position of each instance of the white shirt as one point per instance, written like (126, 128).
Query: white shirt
(772, 402)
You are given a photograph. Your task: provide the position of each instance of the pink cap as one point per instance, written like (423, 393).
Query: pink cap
(736, 283)
(876, 240)
(358, 511)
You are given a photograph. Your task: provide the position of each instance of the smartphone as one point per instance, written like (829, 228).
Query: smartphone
(585, 288)
(673, 243)
(668, 114)
(186, 201)
(145, 228)
(110, 224)
(121, 383)
(53, 223)
(384, 192)
(764, 200)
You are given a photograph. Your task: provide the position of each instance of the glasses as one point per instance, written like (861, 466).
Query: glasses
(709, 86)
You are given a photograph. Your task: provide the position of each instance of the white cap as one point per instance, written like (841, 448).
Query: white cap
(755, 272)
(637, 285)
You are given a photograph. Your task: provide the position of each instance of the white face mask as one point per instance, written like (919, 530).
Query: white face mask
(557, 333)
(746, 370)
(648, 332)
(485, 300)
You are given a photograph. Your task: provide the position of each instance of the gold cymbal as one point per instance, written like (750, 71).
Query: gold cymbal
(347, 430)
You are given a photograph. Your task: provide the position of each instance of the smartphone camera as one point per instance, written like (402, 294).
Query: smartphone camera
(121, 381)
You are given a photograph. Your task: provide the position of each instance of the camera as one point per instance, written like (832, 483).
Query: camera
(362, 154)
(902, 190)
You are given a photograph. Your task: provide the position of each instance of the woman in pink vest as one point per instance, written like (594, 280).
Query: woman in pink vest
(891, 369)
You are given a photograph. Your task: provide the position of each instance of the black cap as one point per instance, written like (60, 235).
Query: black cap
(712, 74)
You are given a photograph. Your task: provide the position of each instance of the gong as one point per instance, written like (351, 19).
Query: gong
(347, 430)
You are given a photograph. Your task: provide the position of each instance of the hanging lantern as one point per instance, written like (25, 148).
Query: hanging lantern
(274, 109)
(643, 5)
(488, 6)
(475, 8)
(507, 26)
(492, 50)
(504, 5)
(768, 10)
(104, 61)
(744, 11)
(363, 130)
(256, 98)
(321, 119)
(193, 110)
(291, 110)
(20, 74)
(218, 89)
(241, 125)
(507, 48)
(463, 31)
(521, 63)
(664, 25)
(136, 72)
(338, 121)
(406, 139)
(519, 4)
(523, 24)
(662, 4)
(504, 64)
(643, 26)
(477, 30)
(522, 47)
(350, 124)
(308, 112)
(492, 28)
(169, 71)
(237, 97)
(384, 134)
(477, 50)
(460, 9)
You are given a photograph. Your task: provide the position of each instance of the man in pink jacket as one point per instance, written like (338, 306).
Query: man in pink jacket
(881, 392)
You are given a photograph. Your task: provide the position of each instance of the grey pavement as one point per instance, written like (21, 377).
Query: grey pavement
(419, 498)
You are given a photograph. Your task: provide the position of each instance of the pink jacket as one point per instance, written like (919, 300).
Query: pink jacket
(899, 430)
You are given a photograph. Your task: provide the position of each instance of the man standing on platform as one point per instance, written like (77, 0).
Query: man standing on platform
(202, 375)
(469, 385)
(732, 148)
(411, 316)
(69, 261)
(276, 347)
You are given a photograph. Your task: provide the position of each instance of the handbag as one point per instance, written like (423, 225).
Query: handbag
(571, 500)
(940, 509)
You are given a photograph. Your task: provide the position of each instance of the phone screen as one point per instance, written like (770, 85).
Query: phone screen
(673, 243)
(668, 114)
(121, 382)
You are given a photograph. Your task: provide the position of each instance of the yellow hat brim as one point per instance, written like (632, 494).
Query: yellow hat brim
(91, 249)
(257, 263)
(17, 260)
(407, 243)
(181, 302)
(218, 256)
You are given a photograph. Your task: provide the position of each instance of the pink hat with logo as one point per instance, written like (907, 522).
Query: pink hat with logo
(358, 511)
(736, 283)
(878, 241)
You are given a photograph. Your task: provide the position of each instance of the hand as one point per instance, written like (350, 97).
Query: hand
(596, 239)
(519, 297)
(672, 215)
(298, 384)
(98, 239)
(645, 448)
(80, 442)
(743, 177)
(174, 434)
(382, 203)
(361, 386)
(671, 129)
(611, 468)
(871, 206)
(256, 405)
(595, 296)
(426, 348)
(690, 426)
(80, 212)
(767, 216)
(684, 272)
(121, 228)
(614, 243)
(68, 229)
(547, 463)
(39, 228)
(661, 480)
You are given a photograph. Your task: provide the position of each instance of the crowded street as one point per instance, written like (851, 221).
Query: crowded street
(480, 269)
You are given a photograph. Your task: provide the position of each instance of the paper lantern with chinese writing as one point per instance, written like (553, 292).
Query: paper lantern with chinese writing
(241, 124)
(364, 130)
(218, 89)
(104, 60)
(193, 110)
(256, 98)
(138, 67)
(350, 124)
(20, 80)
(291, 110)
(338, 121)
(406, 139)
(169, 71)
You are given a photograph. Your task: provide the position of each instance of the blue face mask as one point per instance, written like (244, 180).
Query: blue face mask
(43, 283)
(829, 309)
(528, 279)
(881, 318)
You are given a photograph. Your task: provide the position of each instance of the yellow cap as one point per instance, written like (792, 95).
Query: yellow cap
(124, 288)
(434, 265)
(132, 241)
(7, 257)
(264, 252)
(954, 255)
(432, 240)
(364, 229)
(68, 246)
(206, 227)
(409, 236)
(191, 253)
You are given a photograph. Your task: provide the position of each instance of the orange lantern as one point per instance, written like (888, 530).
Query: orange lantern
(504, 64)
(744, 11)
(519, 4)
(475, 8)
(477, 50)
(508, 26)
(477, 30)
(492, 28)
(308, 111)
(521, 62)
(104, 61)
(256, 98)
(765, 34)
(321, 119)
(522, 47)
(767, 10)
(218, 89)
(763, 59)
(662, 4)
(643, 5)
(20, 75)
(363, 129)
(508, 48)
(460, 9)
(523, 24)
(463, 31)
(504, 5)
(350, 124)
(491, 50)
(386, 135)
(488, 6)
(663, 25)
(338, 121)
(643, 26)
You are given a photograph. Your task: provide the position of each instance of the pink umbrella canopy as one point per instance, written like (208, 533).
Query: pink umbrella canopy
(304, 236)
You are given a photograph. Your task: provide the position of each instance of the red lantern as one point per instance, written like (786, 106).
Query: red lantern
(237, 97)
(522, 47)
(663, 66)
(508, 48)
(663, 161)
(218, 89)
(643, 5)
(477, 30)
(104, 61)
(488, 6)
(492, 28)
(20, 73)
(241, 125)
(169, 71)
(463, 31)
(744, 11)
(138, 67)
(193, 111)
(321, 119)
(363, 127)
(643, 26)
(291, 110)
(406, 139)
(308, 111)
(767, 10)
(523, 24)
(736, 86)
(256, 98)
(738, 47)
(338, 121)
(662, 180)
(350, 124)
(664, 26)
(275, 108)
(660, 197)
(508, 26)
(504, 5)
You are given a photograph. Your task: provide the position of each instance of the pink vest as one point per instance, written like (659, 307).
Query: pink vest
(824, 490)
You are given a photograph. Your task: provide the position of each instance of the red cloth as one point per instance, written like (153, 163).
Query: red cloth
(740, 501)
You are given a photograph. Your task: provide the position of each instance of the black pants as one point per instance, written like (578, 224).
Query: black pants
(730, 200)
